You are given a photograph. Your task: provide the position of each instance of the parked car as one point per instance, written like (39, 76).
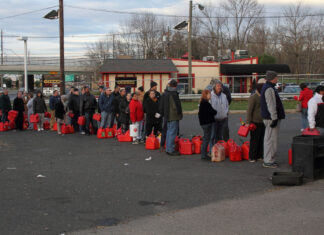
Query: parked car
(295, 89)
(322, 83)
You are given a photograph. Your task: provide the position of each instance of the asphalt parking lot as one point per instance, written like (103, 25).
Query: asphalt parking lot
(54, 184)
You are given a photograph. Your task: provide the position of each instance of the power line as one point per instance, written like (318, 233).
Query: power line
(201, 17)
(27, 12)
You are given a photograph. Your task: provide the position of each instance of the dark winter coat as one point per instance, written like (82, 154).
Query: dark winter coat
(147, 95)
(74, 104)
(206, 113)
(106, 103)
(264, 106)
(5, 103)
(117, 101)
(151, 107)
(88, 103)
(170, 105)
(52, 102)
(19, 105)
(59, 110)
(39, 105)
(319, 118)
(124, 114)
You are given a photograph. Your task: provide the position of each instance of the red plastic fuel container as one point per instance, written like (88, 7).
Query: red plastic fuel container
(110, 132)
(55, 126)
(65, 129)
(235, 153)
(34, 118)
(307, 131)
(81, 120)
(97, 117)
(197, 142)
(225, 145)
(246, 150)
(47, 115)
(12, 115)
(125, 137)
(46, 125)
(185, 147)
(3, 127)
(102, 133)
(290, 157)
(71, 129)
(230, 143)
(152, 142)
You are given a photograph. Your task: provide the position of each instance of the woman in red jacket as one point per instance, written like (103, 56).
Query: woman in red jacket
(136, 117)
(305, 95)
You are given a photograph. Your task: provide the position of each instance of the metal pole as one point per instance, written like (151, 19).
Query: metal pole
(113, 46)
(190, 50)
(61, 19)
(1, 47)
(25, 66)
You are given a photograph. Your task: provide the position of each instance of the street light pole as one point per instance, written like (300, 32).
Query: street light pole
(25, 62)
(61, 20)
(190, 50)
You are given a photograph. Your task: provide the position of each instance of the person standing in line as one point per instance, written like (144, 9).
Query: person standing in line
(272, 112)
(315, 110)
(124, 114)
(171, 110)
(25, 98)
(101, 91)
(136, 117)
(6, 105)
(74, 108)
(1, 93)
(69, 96)
(140, 92)
(60, 111)
(253, 116)
(40, 108)
(82, 128)
(153, 118)
(30, 109)
(153, 86)
(52, 102)
(225, 131)
(19, 106)
(305, 95)
(116, 95)
(106, 104)
(118, 100)
(206, 119)
(88, 105)
(219, 102)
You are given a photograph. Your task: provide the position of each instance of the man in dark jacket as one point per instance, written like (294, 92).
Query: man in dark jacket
(1, 93)
(74, 107)
(153, 86)
(54, 99)
(153, 120)
(227, 92)
(116, 95)
(88, 104)
(106, 104)
(272, 111)
(171, 110)
(19, 106)
(122, 95)
(6, 105)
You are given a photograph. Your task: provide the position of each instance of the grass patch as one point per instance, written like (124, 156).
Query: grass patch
(235, 105)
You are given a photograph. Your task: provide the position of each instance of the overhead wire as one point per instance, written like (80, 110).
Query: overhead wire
(27, 12)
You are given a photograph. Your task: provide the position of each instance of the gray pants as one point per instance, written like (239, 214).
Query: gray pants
(41, 121)
(270, 141)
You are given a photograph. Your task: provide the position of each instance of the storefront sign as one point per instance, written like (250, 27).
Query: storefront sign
(126, 81)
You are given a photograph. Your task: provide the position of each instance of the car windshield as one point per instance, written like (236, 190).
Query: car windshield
(292, 90)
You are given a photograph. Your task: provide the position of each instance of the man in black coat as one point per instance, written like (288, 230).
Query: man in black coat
(88, 105)
(153, 120)
(74, 107)
(6, 105)
(19, 106)
(117, 100)
(153, 86)
(227, 92)
(116, 95)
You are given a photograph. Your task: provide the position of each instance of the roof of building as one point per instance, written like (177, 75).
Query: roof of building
(138, 66)
(248, 69)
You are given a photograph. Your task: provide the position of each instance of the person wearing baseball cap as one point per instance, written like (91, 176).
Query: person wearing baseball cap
(272, 112)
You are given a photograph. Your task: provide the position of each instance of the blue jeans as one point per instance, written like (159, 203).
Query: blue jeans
(173, 127)
(105, 119)
(207, 134)
(216, 133)
(88, 117)
(304, 119)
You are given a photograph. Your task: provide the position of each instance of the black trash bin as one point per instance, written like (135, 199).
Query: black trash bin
(308, 156)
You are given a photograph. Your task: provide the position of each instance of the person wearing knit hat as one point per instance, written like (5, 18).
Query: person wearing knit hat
(153, 87)
(272, 112)
(153, 84)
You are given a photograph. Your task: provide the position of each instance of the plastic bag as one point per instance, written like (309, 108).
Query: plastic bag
(218, 153)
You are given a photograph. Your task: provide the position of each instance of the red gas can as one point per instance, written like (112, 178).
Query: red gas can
(225, 145)
(110, 132)
(197, 142)
(35, 126)
(246, 150)
(81, 120)
(25, 125)
(55, 126)
(243, 131)
(119, 132)
(3, 127)
(12, 125)
(290, 157)
(34, 118)
(71, 129)
(97, 117)
(125, 137)
(46, 125)
(307, 131)
(47, 115)
(65, 129)
(235, 153)
(102, 133)
(152, 142)
(12, 115)
(185, 147)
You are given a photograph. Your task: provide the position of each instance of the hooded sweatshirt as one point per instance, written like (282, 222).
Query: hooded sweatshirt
(312, 109)
(220, 104)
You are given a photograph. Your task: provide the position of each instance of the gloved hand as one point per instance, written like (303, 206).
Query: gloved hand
(157, 115)
(295, 98)
(274, 123)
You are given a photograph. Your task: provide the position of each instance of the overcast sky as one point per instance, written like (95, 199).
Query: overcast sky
(79, 21)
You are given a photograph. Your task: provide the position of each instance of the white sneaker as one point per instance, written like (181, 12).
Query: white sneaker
(82, 133)
(42, 129)
(301, 130)
(38, 129)
(59, 133)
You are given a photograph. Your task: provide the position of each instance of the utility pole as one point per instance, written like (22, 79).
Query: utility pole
(1, 56)
(113, 46)
(61, 20)
(190, 49)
